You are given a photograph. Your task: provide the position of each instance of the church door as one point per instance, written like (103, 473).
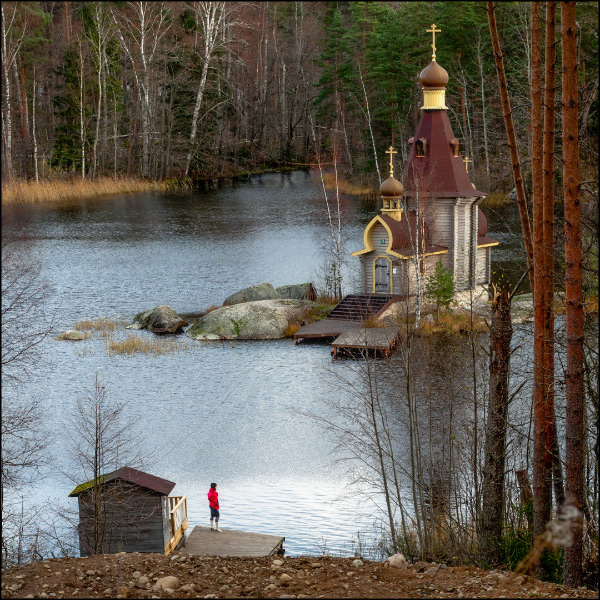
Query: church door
(382, 276)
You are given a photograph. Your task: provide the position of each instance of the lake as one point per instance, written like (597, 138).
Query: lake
(232, 412)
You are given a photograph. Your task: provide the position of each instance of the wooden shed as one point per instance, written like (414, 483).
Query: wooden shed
(129, 511)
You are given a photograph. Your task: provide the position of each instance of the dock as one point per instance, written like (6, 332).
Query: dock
(229, 542)
(377, 339)
(325, 328)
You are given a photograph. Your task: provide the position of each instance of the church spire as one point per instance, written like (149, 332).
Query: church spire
(434, 78)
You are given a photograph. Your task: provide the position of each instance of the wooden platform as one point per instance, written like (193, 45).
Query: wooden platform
(229, 542)
(378, 339)
(326, 328)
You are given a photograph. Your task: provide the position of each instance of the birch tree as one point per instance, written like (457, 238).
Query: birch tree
(11, 43)
(209, 17)
(140, 34)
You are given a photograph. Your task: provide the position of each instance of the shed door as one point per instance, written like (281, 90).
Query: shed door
(382, 276)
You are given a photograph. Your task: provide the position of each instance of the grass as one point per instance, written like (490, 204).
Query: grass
(135, 343)
(103, 326)
(346, 187)
(292, 328)
(32, 192)
(453, 322)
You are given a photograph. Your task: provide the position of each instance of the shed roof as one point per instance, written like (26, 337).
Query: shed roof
(131, 475)
(439, 173)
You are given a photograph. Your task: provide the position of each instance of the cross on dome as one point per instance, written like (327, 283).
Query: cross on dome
(433, 31)
(391, 152)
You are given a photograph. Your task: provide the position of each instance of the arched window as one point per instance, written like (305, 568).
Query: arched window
(420, 147)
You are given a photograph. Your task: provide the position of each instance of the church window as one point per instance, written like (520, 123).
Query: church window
(420, 147)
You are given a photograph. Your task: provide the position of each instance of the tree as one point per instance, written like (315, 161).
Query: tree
(209, 17)
(102, 440)
(575, 430)
(440, 286)
(26, 322)
(492, 515)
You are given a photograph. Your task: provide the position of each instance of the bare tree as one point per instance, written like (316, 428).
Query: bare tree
(209, 17)
(140, 34)
(101, 441)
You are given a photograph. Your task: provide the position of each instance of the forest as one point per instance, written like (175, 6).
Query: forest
(209, 89)
(184, 91)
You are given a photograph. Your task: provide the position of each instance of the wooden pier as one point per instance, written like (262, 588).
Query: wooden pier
(377, 339)
(326, 328)
(229, 542)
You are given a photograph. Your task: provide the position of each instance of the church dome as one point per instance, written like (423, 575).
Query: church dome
(391, 187)
(433, 75)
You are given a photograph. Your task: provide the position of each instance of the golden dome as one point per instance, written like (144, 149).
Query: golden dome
(433, 75)
(391, 187)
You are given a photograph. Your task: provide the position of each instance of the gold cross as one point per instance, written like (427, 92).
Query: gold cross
(467, 160)
(391, 152)
(433, 31)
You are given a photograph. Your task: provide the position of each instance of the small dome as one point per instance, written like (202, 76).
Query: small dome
(391, 187)
(433, 75)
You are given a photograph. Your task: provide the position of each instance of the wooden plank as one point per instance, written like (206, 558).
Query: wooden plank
(229, 542)
(325, 328)
(373, 338)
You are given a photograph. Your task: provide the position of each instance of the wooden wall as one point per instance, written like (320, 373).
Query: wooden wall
(132, 520)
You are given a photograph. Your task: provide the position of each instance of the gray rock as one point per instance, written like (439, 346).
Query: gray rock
(300, 291)
(357, 563)
(260, 320)
(168, 582)
(70, 334)
(160, 319)
(398, 561)
(262, 291)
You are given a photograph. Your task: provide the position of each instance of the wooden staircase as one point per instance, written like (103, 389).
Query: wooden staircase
(359, 307)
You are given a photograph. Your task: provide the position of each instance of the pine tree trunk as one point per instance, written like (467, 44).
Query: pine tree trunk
(495, 439)
(575, 430)
(544, 426)
(512, 140)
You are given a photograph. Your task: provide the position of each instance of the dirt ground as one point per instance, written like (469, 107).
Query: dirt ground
(190, 576)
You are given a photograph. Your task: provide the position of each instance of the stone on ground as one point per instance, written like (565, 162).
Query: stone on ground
(160, 319)
(262, 291)
(300, 291)
(398, 560)
(260, 320)
(168, 582)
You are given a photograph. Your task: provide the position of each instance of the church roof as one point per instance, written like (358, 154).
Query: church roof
(482, 229)
(439, 173)
(404, 232)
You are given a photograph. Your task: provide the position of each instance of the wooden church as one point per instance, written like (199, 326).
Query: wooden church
(434, 216)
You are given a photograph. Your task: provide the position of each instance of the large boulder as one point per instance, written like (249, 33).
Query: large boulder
(260, 320)
(160, 319)
(262, 291)
(301, 291)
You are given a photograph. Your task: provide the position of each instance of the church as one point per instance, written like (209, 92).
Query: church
(432, 214)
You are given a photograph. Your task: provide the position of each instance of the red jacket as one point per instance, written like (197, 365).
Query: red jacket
(213, 498)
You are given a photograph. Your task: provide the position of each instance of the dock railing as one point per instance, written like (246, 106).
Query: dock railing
(179, 521)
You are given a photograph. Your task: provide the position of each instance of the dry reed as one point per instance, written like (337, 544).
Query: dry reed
(31, 192)
(346, 187)
(292, 328)
(453, 322)
(102, 326)
(494, 200)
(134, 343)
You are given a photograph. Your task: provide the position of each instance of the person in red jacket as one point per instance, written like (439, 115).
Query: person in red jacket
(213, 502)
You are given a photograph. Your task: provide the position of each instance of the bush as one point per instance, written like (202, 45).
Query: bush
(440, 286)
